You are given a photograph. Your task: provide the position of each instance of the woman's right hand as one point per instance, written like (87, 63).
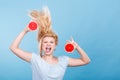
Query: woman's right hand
(27, 29)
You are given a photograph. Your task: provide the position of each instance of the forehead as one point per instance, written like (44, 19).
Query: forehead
(48, 39)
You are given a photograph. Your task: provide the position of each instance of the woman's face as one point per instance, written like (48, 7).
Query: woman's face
(48, 45)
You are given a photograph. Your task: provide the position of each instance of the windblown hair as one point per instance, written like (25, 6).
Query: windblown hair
(44, 22)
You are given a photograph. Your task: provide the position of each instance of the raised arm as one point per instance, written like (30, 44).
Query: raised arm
(15, 47)
(84, 59)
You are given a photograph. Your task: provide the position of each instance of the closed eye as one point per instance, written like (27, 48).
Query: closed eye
(45, 41)
(51, 42)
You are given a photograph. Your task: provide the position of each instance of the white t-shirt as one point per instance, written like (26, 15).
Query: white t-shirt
(41, 70)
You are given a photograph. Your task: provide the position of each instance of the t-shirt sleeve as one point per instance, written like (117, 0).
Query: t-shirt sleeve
(64, 61)
(33, 59)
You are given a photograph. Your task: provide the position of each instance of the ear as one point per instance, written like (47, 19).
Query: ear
(40, 45)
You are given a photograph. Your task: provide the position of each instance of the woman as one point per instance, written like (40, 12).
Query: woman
(46, 66)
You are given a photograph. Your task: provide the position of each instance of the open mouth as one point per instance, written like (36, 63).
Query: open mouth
(48, 49)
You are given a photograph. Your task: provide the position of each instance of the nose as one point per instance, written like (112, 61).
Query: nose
(48, 44)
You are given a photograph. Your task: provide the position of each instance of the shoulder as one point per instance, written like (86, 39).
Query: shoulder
(35, 57)
(63, 57)
(63, 60)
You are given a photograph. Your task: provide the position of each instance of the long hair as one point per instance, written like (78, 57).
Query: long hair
(43, 19)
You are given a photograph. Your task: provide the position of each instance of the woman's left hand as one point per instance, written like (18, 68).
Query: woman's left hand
(72, 42)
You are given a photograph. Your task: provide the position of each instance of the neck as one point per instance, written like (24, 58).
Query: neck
(47, 57)
(50, 59)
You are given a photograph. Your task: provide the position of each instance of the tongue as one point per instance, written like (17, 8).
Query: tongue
(48, 49)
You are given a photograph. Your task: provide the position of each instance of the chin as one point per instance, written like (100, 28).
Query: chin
(48, 54)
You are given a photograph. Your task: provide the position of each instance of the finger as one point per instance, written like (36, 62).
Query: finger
(68, 41)
(72, 39)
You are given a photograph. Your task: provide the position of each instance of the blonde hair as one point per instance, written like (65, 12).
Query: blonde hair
(44, 22)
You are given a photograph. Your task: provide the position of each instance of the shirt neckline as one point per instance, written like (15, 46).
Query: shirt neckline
(49, 63)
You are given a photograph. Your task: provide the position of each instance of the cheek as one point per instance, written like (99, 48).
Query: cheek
(53, 46)
(43, 45)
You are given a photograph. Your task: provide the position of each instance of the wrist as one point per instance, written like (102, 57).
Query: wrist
(77, 46)
(25, 31)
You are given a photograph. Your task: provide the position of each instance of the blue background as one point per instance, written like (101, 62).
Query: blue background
(94, 24)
